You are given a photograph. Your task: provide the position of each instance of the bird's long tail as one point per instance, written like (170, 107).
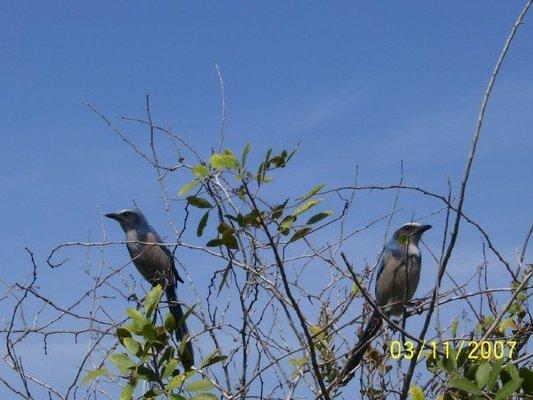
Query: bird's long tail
(356, 355)
(182, 331)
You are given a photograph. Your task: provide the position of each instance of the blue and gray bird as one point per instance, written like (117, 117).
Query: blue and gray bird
(156, 264)
(396, 282)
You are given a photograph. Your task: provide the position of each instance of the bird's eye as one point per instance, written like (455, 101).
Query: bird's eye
(408, 227)
(126, 213)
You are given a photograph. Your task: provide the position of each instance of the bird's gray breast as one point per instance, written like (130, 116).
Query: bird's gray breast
(150, 259)
(398, 281)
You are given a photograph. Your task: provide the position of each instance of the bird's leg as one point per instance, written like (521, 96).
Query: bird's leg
(417, 306)
(413, 307)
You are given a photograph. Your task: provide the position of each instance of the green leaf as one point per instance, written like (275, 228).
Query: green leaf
(198, 202)
(239, 219)
(127, 392)
(132, 345)
(512, 371)
(146, 374)
(152, 394)
(267, 156)
(494, 373)
(316, 330)
(527, 384)
(355, 289)
(245, 153)
(306, 206)
(176, 382)
(278, 210)
(212, 358)
(204, 396)
(202, 224)
(462, 356)
(185, 316)
(254, 218)
(188, 187)
(482, 374)
(167, 355)
(186, 357)
(298, 362)
(286, 224)
(230, 241)
(465, 385)
(279, 161)
(293, 152)
(263, 168)
(122, 334)
(313, 191)
(505, 324)
(200, 170)
(260, 173)
(135, 315)
(170, 367)
(215, 243)
(152, 300)
(225, 275)
(227, 160)
(92, 375)
(122, 361)
(299, 234)
(470, 372)
(201, 385)
(225, 229)
(133, 328)
(416, 393)
(449, 362)
(190, 374)
(170, 323)
(487, 321)
(319, 217)
(148, 331)
(173, 396)
(508, 389)
(455, 324)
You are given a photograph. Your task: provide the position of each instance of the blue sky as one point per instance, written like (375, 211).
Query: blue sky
(361, 83)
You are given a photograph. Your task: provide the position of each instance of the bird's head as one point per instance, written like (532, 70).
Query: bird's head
(128, 219)
(410, 232)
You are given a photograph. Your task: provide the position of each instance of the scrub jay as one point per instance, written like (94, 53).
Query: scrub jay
(396, 282)
(156, 264)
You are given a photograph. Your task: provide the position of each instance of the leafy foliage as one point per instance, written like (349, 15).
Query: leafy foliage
(232, 225)
(150, 356)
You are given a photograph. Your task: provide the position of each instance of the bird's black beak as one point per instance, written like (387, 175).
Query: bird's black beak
(424, 228)
(113, 216)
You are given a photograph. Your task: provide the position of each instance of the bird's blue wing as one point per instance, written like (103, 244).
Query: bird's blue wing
(381, 262)
(167, 251)
(174, 269)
